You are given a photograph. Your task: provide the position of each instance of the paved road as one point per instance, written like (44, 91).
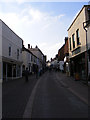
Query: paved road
(15, 95)
(54, 100)
(47, 97)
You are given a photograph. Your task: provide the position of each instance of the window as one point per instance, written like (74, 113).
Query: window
(9, 50)
(77, 36)
(17, 53)
(88, 13)
(70, 43)
(73, 39)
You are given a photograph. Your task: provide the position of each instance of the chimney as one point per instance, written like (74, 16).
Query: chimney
(28, 46)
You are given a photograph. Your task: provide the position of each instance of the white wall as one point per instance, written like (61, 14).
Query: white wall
(26, 57)
(0, 69)
(10, 39)
(0, 51)
(37, 53)
(0, 38)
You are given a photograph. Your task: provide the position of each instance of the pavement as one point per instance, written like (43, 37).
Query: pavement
(76, 87)
(15, 95)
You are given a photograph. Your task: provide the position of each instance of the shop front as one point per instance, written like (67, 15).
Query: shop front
(77, 66)
(11, 70)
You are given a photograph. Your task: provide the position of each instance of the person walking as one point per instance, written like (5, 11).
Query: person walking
(36, 71)
(26, 73)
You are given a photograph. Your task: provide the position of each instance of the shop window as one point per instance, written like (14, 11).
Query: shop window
(73, 39)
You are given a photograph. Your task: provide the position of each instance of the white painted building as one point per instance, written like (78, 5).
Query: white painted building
(38, 53)
(0, 51)
(29, 60)
(11, 53)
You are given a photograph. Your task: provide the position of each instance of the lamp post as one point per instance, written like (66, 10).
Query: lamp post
(85, 28)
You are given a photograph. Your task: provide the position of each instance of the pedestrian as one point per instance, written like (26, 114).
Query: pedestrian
(36, 71)
(26, 73)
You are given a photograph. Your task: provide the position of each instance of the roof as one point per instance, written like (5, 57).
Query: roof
(35, 49)
(25, 49)
(11, 29)
(78, 15)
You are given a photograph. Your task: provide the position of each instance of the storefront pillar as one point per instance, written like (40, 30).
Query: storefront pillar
(21, 71)
(6, 71)
(12, 71)
(1, 71)
(86, 66)
(16, 70)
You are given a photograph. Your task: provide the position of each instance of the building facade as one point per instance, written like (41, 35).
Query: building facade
(87, 29)
(77, 44)
(29, 60)
(0, 51)
(11, 53)
(61, 53)
(41, 61)
(66, 56)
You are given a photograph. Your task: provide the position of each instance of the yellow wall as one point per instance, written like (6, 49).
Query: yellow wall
(78, 24)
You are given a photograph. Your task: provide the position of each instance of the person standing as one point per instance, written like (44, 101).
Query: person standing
(26, 73)
(36, 71)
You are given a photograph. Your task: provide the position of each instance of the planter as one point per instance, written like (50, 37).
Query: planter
(77, 77)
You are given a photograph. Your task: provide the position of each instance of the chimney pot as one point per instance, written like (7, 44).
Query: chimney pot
(28, 46)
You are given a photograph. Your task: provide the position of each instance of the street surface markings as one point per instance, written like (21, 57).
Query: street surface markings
(29, 106)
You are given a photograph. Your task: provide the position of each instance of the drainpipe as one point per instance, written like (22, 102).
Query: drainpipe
(84, 26)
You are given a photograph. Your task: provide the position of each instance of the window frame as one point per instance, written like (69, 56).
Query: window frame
(10, 51)
(73, 40)
(17, 53)
(77, 37)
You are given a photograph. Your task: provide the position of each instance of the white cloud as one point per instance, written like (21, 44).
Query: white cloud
(37, 28)
(52, 50)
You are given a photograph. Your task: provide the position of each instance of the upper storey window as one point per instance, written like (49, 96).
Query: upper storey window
(77, 37)
(9, 50)
(73, 40)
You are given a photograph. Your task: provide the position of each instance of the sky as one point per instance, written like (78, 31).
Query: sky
(43, 24)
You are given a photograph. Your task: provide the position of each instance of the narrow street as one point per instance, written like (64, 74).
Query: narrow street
(54, 100)
(46, 97)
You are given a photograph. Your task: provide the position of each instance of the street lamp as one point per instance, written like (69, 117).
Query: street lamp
(85, 26)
